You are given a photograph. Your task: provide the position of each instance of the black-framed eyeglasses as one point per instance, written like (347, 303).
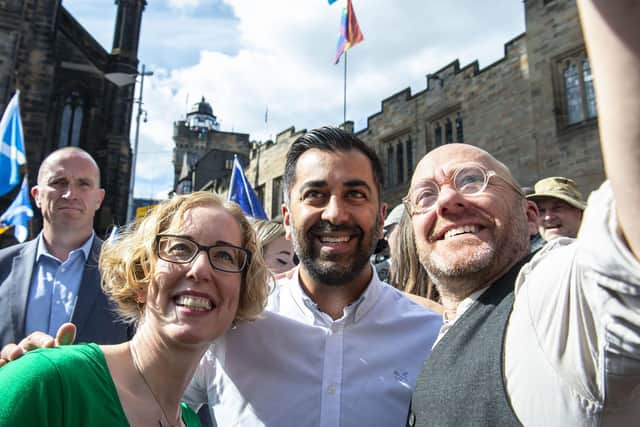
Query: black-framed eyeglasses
(183, 250)
(469, 179)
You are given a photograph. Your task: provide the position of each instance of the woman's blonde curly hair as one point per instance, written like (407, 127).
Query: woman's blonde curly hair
(127, 263)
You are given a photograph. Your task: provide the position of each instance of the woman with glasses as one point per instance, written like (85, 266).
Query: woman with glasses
(183, 276)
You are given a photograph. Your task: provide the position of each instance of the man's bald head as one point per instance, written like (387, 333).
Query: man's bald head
(445, 155)
(466, 241)
(68, 194)
(65, 152)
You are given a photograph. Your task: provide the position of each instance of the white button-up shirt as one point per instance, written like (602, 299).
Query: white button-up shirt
(296, 366)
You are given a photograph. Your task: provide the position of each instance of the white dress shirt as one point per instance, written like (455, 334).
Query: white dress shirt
(296, 366)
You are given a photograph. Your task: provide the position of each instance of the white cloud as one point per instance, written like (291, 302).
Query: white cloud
(180, 4)
(279, 53)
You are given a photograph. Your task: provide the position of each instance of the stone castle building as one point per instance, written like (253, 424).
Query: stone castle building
(534, 109)
(203, 154)
(67, 92)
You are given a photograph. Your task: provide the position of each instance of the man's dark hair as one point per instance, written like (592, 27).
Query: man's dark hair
(329, 139)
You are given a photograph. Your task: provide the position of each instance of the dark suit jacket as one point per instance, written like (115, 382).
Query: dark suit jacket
(93, 314)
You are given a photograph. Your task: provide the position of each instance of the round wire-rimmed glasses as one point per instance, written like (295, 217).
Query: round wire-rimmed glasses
(183, 250)
(469, 179)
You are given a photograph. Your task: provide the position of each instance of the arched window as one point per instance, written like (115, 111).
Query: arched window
(71, 121)
(400, 163)
(459, 129)
(437, 137)
(409, 148)
(572, 92)
(448, 131)
(389, 165)
(590, 96)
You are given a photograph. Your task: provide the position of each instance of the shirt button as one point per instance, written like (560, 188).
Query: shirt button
(335, 328)
(331, 390)
(63, 269)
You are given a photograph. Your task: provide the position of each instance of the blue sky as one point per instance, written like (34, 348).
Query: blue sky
(245, 55)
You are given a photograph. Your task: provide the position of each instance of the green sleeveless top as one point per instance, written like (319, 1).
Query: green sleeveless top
(65, 386)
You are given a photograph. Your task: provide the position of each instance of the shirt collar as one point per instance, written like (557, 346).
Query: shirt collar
(85, 248)
(448, 320)
(463, 306)
(359, 307)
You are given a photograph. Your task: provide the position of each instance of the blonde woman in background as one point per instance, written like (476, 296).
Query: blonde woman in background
(190, 269)
(277, 251)
(406, 273)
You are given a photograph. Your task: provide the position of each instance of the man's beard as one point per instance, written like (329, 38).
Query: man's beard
(329, 269)
(464, 275)
(439, 265)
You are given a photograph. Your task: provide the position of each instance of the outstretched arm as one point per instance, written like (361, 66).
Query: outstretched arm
(612, 33)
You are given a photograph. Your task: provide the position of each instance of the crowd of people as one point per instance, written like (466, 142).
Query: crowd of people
(506, 306)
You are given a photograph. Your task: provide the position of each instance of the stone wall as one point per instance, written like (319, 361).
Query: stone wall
(553, 33)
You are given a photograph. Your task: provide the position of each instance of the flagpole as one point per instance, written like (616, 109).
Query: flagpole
(344, 97)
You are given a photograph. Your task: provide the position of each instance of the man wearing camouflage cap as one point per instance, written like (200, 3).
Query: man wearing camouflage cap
(560, 205)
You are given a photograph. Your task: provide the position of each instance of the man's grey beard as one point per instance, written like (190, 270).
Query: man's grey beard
(463, 278)
(479, 270)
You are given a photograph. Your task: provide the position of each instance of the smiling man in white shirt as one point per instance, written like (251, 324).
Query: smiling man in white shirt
(336, 347)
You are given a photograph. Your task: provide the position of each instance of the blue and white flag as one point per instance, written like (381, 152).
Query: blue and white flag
(241, 192)
(19, 213)
(11, 146)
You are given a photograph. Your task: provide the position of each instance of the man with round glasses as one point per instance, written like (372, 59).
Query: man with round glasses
(469, 179)
(551, 338)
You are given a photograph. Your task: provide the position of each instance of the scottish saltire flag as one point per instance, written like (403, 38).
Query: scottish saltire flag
(332, 1)
(350, 33)
(241, 192)
(11, 146)
(19, 213)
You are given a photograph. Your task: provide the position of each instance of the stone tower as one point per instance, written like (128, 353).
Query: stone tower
(204, 152)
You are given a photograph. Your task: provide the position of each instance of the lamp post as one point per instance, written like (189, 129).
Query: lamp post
(134, 156)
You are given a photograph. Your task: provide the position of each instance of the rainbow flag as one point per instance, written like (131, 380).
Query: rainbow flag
(350, 33)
